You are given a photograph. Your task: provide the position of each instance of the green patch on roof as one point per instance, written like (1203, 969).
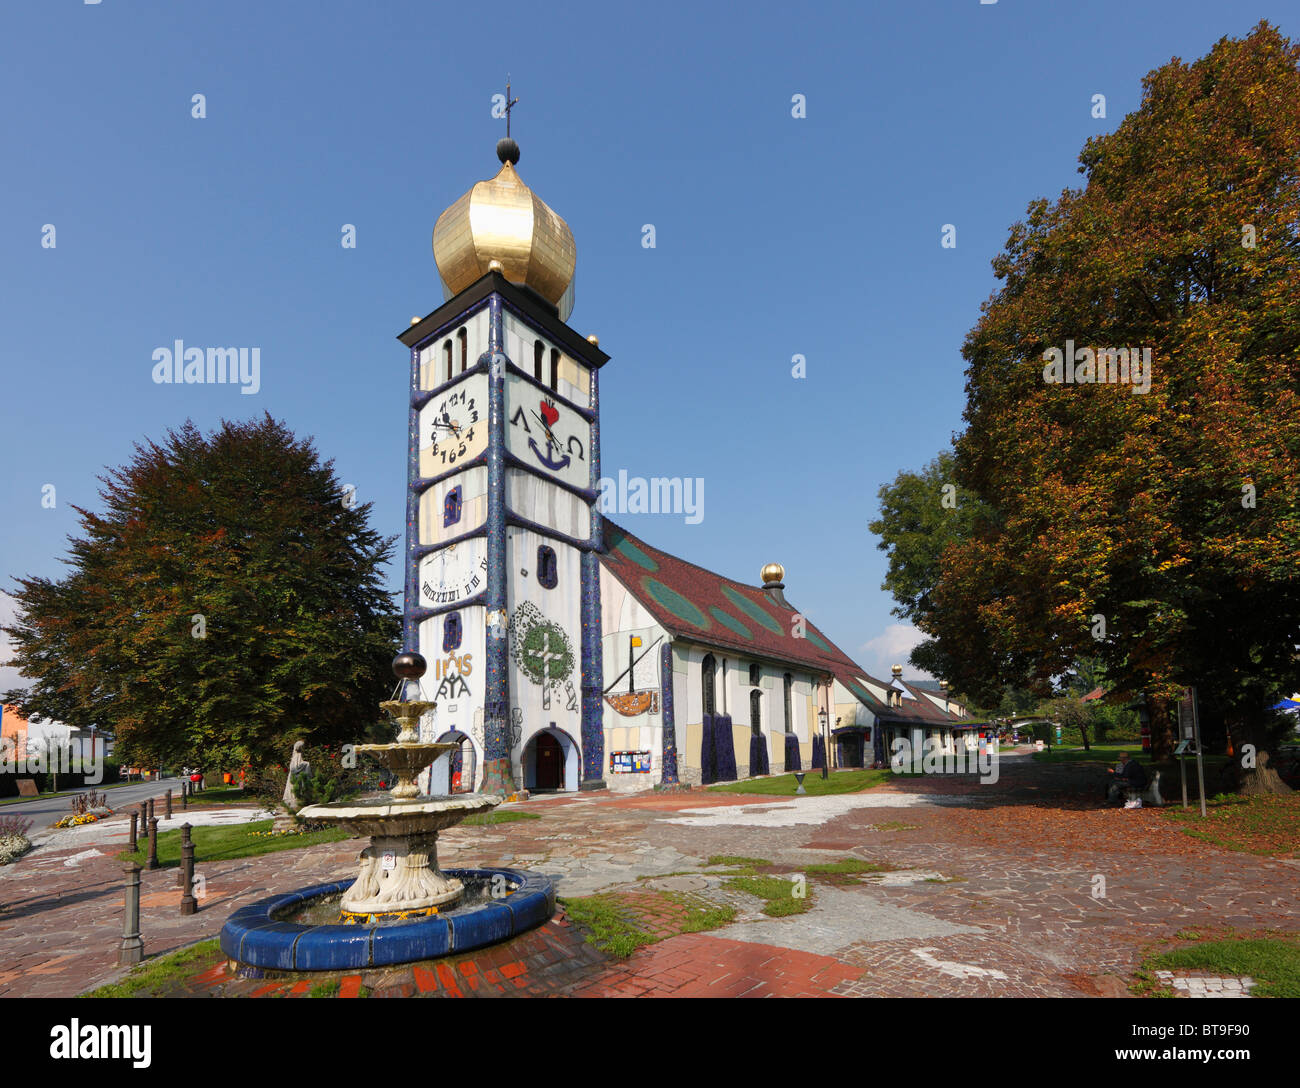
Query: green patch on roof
(628, 550)
(678, 605)
(817, 640)
(730, 622)
(754, 611)
(862, 693)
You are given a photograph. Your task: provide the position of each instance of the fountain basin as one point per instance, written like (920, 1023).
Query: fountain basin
(398, 875)
(259, 941)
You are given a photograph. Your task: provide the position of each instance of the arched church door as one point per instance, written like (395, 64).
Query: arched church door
(550, 762)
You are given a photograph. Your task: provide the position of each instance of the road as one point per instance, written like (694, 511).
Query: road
(43, 811)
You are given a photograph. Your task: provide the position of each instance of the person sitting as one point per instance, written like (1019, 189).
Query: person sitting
(1130, 779)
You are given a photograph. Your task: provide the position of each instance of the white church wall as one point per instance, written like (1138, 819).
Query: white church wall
(623, 616)
(543, 502)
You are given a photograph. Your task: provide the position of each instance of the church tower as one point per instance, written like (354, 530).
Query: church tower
(503, 532)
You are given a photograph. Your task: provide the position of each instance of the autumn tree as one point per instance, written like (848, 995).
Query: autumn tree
(227, 600)
(1151, 520)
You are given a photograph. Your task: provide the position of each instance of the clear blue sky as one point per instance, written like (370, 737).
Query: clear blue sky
(775, 236)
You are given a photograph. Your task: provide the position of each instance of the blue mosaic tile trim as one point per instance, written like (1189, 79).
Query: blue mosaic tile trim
(411, 596)
(593, 666)
(496, 692)
(669, 775)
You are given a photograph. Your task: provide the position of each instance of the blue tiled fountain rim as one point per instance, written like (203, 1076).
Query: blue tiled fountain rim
(253, 937)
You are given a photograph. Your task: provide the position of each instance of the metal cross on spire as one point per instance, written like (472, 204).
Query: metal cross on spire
(510, 104)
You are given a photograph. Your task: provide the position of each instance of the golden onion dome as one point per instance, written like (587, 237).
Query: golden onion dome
(502, 220)
(773, 572)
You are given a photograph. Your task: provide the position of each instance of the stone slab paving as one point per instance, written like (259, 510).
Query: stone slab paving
(1020, 909)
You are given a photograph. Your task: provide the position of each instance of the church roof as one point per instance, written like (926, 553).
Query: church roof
(702, 606)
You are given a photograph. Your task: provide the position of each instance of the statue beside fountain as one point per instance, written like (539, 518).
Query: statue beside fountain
(399, 877)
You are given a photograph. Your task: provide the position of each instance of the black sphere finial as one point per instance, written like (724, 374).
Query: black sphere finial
(408, 665)
(507, 150)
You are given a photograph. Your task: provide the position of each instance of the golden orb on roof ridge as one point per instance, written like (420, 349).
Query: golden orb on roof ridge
(773, 572)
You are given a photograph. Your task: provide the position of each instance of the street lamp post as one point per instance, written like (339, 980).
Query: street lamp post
(826, 744)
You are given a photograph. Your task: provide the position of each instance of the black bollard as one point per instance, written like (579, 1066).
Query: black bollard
(185, 793)
(131, 950)
(135, 819)
(169, 805)
(152, 862)
(189, 904)
(151, 808)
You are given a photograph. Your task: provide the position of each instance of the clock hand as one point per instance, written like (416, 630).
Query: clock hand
(551, 440)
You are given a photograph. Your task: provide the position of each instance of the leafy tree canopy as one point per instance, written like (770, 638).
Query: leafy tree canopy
(228, 600)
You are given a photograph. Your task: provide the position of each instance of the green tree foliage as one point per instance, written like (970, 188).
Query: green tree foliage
(1171, 515)
(227, 600)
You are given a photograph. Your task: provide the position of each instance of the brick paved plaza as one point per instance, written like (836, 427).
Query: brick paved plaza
(980, 891)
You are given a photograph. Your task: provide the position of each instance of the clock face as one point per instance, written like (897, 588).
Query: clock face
(545, 434)
(453, 427)
(454, 574)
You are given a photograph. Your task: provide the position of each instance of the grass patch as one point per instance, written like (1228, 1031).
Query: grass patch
(612, 926)
(777, 893)
(1265, 826)
(895, 825)
(848, 865)
(483, 819)
(610, 930)
(222, 843)
(325, 989)
(736, 859)
(221, 795)
(1273, 962)
(156, 977)
(784, 785)
(701, 914)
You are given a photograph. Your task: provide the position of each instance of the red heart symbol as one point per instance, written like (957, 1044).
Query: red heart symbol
(549, 413)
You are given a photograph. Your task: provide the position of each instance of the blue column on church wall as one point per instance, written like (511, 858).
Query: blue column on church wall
(498, 773)
(411, 593)
(669, 775)
(593, 669)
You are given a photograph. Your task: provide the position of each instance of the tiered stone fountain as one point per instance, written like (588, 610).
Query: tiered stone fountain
(400, 907)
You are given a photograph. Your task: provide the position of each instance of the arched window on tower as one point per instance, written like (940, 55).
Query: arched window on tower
(547, 573)
(446, 355)
(789, 706)
(451, 632)
(754, 673)
(555, 369)
(755, 712)
(463, 337)
(539, 357)
(707, 670)
(451, 507)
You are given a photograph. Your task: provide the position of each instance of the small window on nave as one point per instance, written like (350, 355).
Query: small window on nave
(708, 668)
(754, 674)
(755, 712)
(789, 709)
